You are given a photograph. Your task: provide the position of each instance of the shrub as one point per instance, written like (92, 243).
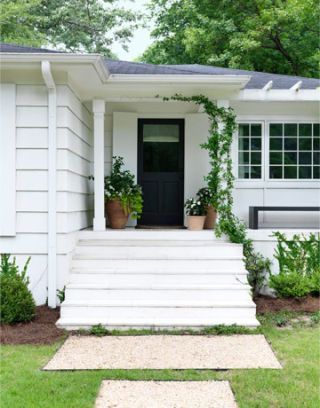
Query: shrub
(291, 284)
(299, 265)
(17, 304)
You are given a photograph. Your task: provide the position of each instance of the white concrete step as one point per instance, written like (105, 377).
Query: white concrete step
(153, 323)
(159, 252)
(158, 265)
(156, 234)
(155, 243)
(156, 278)
(147, 309)
(87, 292)
(195, 277)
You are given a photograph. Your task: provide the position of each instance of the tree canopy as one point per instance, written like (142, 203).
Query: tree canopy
(279, 36)
(71, 25)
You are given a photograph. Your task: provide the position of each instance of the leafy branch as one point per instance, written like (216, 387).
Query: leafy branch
(220, 182)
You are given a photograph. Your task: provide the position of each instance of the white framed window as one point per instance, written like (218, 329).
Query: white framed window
(250, 151)
(293, 151)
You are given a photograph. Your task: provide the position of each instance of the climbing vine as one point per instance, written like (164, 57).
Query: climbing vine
(220, 181)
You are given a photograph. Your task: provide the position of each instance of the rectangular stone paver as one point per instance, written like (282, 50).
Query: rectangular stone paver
(165, 394)
(164, 352)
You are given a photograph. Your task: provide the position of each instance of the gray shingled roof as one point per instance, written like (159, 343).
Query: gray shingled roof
(257, 81)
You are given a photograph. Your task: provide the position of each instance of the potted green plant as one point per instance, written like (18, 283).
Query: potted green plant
(196, 212)
(122, 196)
(206, 196)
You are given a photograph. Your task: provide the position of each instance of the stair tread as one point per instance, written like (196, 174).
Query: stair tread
(153, 322)
(154, 258)
(158, 303)
(155, 243)
(157, 287)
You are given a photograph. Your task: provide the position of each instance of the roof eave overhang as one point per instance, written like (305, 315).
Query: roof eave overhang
(233, 81)
(280, 95)
(95, 60)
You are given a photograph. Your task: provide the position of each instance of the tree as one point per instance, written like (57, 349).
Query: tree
(71, 25)
(279, 36)
(18, 21)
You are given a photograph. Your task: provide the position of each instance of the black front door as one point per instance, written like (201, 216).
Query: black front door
(161, 170)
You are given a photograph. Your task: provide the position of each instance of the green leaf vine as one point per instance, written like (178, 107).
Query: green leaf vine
(220, 182)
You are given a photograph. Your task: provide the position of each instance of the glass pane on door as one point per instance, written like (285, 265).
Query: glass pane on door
(161, 147)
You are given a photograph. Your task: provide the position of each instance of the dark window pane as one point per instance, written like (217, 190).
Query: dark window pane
(316, 144)
(244, 130)
(305, 172)
(255, 144)
(316, 172)
(305, 129)
(304, 144)
(316, 129)
(290, 143)
(255, 130)
(276, 143)
(255, 172)
(243, 157)
(160, 157)
(255, 158)
(290, 158)
(244, 172)
(316, 158)
(290, 129)
(276, 158)
(305, 158)
(275, 172)
(290, 172)
(243, 143)
(276, 129)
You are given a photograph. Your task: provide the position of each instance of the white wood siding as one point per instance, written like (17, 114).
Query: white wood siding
(8, 160)
(74, 200)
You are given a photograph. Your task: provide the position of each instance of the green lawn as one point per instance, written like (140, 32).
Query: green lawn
(23, 384)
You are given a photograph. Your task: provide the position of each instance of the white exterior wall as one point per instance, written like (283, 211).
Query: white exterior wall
(74, 165)
(268, 192)
(74, 202)
(31, 133)
(74, 190)
(247, 192)
(125, 138)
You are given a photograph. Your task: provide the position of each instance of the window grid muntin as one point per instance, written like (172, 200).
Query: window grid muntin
(250, 167)
(313, 149)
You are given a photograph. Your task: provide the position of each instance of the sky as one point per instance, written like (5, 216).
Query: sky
(141, 39)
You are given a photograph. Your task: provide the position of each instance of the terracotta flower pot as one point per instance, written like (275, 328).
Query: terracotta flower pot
(211, 218)
(116, 215)
(196, 222)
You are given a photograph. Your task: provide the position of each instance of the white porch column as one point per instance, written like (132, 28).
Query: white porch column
(222, 103)
(99, 222)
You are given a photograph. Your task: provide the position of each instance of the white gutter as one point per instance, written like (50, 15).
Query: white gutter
(231, 80)
(52, 176)
(95, 60)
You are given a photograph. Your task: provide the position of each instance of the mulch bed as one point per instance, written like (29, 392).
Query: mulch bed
(42, 330)
(266, 304)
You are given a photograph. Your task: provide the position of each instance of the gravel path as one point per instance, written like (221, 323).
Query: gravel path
(165, 394)
(164, 352)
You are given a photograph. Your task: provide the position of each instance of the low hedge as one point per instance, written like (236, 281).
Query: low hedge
(16, 301)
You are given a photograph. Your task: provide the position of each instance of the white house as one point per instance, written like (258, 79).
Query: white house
(63, 117)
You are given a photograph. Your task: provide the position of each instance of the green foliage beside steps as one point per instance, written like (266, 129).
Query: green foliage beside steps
(220, 181)
(16, 301)
(299, 265)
